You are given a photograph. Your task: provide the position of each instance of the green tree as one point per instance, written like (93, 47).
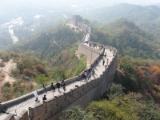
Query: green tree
(116, 90)
(76, 113)
(40, 79)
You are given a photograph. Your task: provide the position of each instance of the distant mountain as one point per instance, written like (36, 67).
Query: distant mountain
(27, 20)
(146, 17)
(128, 38)
(134, 12)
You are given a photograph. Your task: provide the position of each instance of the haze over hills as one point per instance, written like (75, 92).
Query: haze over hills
(146, 17)
(26, 20)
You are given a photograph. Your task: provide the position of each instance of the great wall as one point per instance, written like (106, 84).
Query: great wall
(79, 91)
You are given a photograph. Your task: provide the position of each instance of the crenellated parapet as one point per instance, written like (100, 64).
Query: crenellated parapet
(81, 93)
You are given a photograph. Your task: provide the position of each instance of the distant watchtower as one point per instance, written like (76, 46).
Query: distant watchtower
(78, 22)
(77, 19)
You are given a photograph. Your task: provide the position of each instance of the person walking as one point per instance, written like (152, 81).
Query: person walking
(84, 74)
(89, 76)
(44, 98)
(63, 85)
(58, 85)
(103, 62)
(36, 96)
(93, 72)
(52, 86)
(44, 86)
(107, 61)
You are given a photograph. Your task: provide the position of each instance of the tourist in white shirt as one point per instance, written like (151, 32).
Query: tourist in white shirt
(36, 96)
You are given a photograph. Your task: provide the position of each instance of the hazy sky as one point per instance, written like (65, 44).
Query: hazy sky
(102, 2)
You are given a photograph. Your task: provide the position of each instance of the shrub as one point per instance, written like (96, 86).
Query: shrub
(27, 72)
(40, 68)
(40, 79)
(7, 84)
(15, 72)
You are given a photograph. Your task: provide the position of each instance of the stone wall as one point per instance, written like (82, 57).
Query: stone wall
(51, 109)
(89, 53)
(82, 95)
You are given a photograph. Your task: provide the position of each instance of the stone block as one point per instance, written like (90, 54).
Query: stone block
(81, 90)
(92, 84)
(88, 85)
(97, 81)
(10, 117)
(76, 93)
(60, 104)
(37, 112)
(53, 107)
(45, 109)
(32, 113)
(24, 116)
(68, 97)
(85, 87)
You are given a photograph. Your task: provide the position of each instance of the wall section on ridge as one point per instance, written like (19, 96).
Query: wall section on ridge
(82, 95)
(92, 90)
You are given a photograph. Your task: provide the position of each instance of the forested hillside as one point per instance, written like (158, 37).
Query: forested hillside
(48, 44)
(32, 72)
(128, 38)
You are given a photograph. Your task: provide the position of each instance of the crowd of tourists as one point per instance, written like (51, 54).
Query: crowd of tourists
(53, 87)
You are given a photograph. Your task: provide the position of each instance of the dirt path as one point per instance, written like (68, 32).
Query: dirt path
(9, 66)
